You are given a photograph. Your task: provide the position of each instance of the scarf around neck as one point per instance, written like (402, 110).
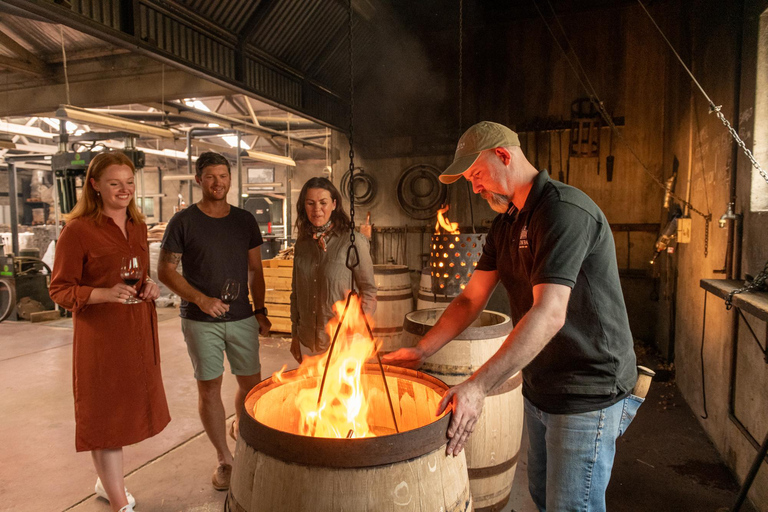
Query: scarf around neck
(321, 234)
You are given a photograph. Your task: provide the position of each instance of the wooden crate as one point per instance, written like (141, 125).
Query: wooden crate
(278, 279)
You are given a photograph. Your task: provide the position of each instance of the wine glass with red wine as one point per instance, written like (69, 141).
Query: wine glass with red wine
(130, 273)
(230, 290)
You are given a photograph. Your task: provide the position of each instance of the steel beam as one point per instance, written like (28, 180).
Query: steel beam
(182, 41)
(135, 79)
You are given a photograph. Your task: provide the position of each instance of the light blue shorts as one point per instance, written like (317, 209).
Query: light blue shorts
(208, 341)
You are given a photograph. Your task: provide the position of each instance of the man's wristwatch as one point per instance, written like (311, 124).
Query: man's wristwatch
(260, 311)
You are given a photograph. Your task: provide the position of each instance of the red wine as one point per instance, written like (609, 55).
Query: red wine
(130, 281)
(229, 300)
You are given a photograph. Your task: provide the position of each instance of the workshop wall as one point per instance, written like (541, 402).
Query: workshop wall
(709, 338)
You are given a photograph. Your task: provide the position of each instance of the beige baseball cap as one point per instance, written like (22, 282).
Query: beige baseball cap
(484, 135)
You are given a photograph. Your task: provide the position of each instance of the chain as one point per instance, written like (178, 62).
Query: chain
(712, 106)
(757, 284)
(737, 139)
(352, 256)
(351, 138)
(706, 235)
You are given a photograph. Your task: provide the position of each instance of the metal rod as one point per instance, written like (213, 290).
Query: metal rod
(751, 475)
(239, 165)
(13, 200)
(333, 343)
(381, 368)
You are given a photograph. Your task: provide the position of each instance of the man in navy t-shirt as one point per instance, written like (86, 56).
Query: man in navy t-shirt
(552, 249)
(217, 244)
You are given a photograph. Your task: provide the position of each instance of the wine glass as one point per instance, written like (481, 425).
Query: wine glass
(130, 273)
(230, 290)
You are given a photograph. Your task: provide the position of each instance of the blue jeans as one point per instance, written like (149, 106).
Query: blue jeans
(570, 456)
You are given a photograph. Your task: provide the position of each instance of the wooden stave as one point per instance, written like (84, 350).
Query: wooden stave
(327, 489)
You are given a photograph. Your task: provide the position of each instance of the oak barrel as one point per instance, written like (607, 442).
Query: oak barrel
(394, 301)
(276, 470)
(426, 299)
(493, 448)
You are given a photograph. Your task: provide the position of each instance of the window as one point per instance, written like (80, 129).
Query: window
(759, 195)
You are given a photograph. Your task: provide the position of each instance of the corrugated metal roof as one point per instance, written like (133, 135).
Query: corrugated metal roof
(44, 39)
(231, 15)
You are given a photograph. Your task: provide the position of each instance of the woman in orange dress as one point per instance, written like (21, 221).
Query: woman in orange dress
(118, 388)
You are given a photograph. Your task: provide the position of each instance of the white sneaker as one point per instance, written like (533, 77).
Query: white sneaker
(101, 493)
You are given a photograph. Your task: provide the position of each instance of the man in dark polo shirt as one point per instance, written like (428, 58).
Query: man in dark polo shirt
(552, 249)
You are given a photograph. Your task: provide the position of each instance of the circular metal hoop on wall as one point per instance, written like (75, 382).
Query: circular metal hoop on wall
(365, 187)
(420, 192)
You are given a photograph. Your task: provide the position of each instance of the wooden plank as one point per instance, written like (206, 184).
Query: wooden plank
(279, 310)
(281, 324)
(755, 303)
(278, 283)
(278, 297)
(279, 272)
(277, 263)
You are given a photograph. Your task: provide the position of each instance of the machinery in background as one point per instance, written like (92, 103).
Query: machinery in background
(69, 166)
(24, 284)
(268, 212)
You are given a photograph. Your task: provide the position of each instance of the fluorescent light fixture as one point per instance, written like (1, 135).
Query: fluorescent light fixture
(268, 157)
(28, 131)
(232, 141)
(54, 123)
(262, 185)
(86, 116)
(179, 177)
(190, 102)
(172, 153)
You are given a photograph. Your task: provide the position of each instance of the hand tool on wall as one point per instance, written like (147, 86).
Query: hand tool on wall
(609, 159)
(560, 175)
(549, 152)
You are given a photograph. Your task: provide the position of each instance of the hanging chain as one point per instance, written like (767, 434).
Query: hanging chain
(757, 284)
(353, 257)
(351, 138)
(712, 107)
(706, 235)
(737, 139)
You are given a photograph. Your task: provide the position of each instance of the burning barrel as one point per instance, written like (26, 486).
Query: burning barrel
(394, 301)
(277, 468)
(493, 448)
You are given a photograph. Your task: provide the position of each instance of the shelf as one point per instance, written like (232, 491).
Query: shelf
(754, 303)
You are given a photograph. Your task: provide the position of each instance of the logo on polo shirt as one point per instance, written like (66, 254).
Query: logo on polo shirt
(524, 238)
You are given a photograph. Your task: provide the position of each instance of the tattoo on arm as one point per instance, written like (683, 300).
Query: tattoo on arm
(170, 257)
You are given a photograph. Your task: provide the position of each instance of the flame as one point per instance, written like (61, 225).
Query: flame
(451, 227)
(343, 410)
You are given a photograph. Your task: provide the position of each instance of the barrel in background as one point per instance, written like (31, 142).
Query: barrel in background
(426, 298)
(394, 301)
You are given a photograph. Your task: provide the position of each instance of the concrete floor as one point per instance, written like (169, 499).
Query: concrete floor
(665, 461)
